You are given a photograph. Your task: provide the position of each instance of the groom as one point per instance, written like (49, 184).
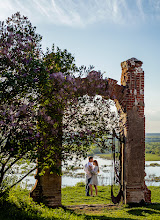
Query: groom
(87, 169)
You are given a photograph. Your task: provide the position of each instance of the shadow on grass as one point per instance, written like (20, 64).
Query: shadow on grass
(10, 211)
(155, 206)
(103, 217)
(108, 199)
(150, 209)
(142, 212)
(96, 217)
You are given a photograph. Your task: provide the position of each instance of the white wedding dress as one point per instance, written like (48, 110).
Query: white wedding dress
(94, 179)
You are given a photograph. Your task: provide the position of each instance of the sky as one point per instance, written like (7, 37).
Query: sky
(102, 33)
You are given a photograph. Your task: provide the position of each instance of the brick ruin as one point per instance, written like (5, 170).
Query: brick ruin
(132, 122)
(129, 100)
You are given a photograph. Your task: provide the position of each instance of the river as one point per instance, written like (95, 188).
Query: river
(105, 177)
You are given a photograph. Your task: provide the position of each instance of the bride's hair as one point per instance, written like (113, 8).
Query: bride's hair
(96, 162)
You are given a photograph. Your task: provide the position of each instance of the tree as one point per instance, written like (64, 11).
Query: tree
(65, 96)
(26, 99)
(63, 93)
(21, 79)
(35, 91)
(90, 121)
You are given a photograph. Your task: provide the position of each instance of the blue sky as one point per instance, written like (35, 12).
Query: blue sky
(102, 33)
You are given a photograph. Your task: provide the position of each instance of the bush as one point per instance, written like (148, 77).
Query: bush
(19, 206)
(80, 184)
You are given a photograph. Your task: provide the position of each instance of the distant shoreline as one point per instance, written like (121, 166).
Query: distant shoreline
(152, 134)
(148, 157)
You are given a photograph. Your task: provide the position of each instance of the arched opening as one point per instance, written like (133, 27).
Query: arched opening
(91, 125)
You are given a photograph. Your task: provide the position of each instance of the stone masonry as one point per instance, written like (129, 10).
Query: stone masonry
(47, 189)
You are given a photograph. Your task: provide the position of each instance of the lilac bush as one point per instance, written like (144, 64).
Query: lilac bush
(41, 102)
(20, 83)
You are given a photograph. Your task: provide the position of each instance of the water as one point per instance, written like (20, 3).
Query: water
(152, 171)
(105, 177)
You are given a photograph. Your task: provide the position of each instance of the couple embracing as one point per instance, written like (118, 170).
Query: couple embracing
(92, 170)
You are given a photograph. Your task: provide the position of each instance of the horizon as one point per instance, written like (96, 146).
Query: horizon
(152, 133)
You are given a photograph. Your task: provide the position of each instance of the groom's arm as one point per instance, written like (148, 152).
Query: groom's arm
(90, 169)
(85, 167)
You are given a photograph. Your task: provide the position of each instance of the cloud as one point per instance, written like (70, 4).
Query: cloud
(84, 12)
(141, 9)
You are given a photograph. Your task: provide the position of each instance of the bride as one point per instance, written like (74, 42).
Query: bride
(94, 179)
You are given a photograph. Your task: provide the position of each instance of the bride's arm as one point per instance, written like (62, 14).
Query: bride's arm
(93, 171)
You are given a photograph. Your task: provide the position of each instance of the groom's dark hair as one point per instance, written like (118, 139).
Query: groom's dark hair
(90, 157)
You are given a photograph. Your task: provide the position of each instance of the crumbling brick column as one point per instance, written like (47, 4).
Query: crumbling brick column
(133, 124)
(47, 189)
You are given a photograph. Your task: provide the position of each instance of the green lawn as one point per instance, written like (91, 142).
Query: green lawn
(148, 157)
(78, 197)
(19, 206)
(152, 157)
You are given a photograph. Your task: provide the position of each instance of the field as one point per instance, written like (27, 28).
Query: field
(18, 206)
(152, 157)
(152, 148)
(148, 156)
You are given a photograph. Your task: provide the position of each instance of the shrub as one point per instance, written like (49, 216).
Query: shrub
(80, 184)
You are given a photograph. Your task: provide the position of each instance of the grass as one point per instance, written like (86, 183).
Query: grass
(148, 157)
(19, 206)
(78, 197)
(152, 157)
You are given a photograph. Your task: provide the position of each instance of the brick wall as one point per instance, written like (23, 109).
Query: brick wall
(132, 79)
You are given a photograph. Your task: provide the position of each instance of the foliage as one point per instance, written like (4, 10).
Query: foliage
(26, 80)
(20, 63)
(65, 96)
(148, 157)
(36, 90)
(154, 165)
(20, 84)
(153, 148)
(105, 156)
(80, 184)
(89, 122)
(19, 206)
(57, 61)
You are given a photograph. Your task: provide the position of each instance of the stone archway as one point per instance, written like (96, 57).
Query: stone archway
(129, 100)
